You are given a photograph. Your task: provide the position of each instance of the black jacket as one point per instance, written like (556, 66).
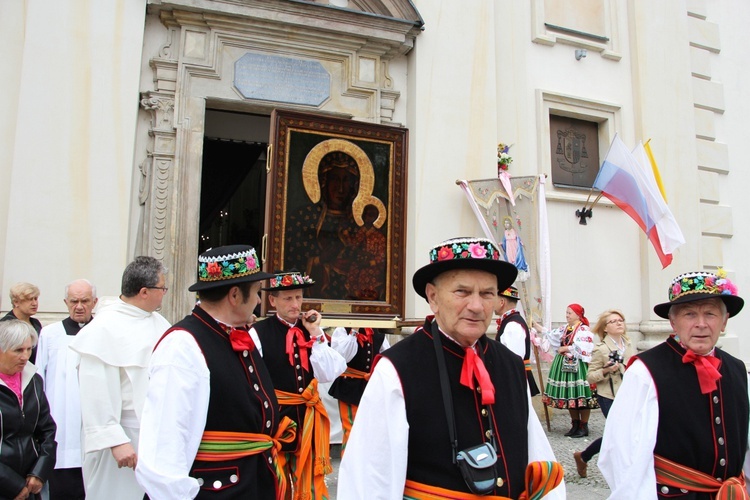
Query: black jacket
(28, 436)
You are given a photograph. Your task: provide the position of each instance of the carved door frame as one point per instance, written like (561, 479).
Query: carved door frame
(190, 74)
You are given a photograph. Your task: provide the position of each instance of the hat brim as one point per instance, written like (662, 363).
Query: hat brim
(504, 271)
(205, 285)
(733, 302)
(290, 287)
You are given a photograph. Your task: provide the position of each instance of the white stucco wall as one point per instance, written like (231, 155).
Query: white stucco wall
(473, 79)
(71, 144)
(607, 263)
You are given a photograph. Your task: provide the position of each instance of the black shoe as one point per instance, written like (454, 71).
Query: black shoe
(573, 428)
(583, 430)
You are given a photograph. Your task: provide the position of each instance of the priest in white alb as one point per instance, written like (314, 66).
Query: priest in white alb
(56, 364)
(115, 350)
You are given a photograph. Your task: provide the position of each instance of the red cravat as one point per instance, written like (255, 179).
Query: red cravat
(365, 337)
(472, 369)
(707, 368)
(295, 334)
(241, 340)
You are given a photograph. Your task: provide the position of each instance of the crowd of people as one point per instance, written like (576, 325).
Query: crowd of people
(122, 405)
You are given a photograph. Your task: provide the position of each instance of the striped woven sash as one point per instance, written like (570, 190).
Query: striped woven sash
(352, 373)
(218, 446)
(680, 476)
(527, 364)
(541, 478)
(315, 427)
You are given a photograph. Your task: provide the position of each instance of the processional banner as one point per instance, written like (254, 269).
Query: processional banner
(514, 216)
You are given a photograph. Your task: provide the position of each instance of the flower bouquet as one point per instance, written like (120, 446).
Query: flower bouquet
(503, 158)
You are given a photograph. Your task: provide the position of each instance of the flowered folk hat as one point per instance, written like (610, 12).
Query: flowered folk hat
(510, 292)
(290, 280)
(465, 253)
(690, 287)
(228, 265)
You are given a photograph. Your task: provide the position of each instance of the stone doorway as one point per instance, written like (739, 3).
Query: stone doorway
(233, 180)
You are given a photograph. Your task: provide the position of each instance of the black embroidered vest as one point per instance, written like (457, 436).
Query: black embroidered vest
(429, 459)
(707, 432)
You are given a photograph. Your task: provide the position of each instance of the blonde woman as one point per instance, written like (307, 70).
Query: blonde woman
(608, 362)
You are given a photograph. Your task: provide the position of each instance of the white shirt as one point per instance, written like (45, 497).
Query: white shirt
(56, 364)
(514, 337)
(347, 345)
(174, 418)
(326, 363)
(627, 455)
(374, 465)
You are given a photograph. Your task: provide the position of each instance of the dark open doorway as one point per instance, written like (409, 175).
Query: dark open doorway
(233, 181)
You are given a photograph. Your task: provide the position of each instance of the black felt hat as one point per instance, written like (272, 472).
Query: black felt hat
(701, 285)
(290, 280)
(228, 265)
(465, 253)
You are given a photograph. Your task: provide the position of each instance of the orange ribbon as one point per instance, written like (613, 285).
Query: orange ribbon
(312, 460)
(681, 476)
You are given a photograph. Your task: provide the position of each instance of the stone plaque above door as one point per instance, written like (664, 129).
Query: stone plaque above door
(282, 79)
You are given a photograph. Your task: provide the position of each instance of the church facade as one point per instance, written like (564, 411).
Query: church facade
(127, 125)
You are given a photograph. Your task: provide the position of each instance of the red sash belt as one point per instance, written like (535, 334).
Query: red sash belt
(680, 476)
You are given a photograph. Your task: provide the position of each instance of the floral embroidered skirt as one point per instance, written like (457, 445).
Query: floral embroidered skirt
(568, 390)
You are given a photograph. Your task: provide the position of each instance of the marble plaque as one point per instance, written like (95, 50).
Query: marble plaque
(281, 79)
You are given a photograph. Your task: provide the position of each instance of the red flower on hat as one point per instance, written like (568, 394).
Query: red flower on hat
(214, 269)
(477, 251)
(445, 253)
(287, 280)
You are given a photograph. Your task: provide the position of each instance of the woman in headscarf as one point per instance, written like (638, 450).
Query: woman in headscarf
(567, 387)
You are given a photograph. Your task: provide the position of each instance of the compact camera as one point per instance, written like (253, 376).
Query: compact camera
(614, 357)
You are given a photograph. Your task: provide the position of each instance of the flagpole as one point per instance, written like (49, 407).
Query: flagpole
(530, 314)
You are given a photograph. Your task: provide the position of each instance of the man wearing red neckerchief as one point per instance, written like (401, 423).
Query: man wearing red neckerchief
(400, 444)
(210, 424)
(298, 356)
(679, 425)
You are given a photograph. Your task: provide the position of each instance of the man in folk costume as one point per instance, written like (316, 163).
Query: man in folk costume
(513, 332)
(114, 351)
(679, 425)
(211, 426)
(358, 346)
(298, 356)
(401, 444)
(56, 364)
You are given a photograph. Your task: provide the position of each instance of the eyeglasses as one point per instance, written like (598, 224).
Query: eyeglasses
(164, 289)
(617, 321)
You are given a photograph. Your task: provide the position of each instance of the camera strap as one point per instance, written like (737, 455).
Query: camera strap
(447, 397)
(445, 387)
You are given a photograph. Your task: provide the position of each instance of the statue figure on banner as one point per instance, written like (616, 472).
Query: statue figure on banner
(513, 248)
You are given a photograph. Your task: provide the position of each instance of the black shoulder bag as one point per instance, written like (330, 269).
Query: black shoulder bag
(477, 464)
